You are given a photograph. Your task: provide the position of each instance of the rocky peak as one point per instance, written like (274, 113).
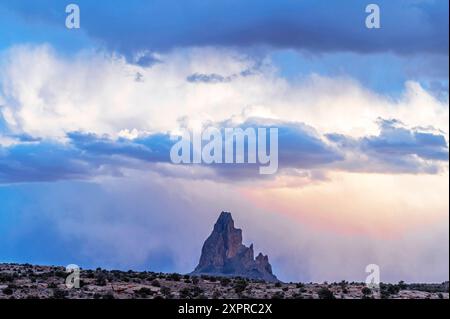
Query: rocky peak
(224, 254)
(225, 221)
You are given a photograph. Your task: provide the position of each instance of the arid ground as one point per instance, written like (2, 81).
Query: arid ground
(42, 282)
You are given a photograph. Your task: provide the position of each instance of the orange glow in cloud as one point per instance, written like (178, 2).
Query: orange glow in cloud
(357, 203)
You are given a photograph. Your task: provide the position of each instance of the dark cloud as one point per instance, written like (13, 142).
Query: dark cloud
(152, 148)
(314, 25)
(217, 78)
(88, 155)
(396, 149)
(147, 60)
(43, 161)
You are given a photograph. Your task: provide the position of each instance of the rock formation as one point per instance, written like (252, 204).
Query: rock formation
(223, 254)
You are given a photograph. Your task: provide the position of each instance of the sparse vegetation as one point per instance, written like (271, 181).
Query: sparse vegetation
(165, 291)
(240, 285)
(195, 280)
(41, 282)
(174, 277)
(7, 291)
(224, 282)
(325, 293)
(366, 291)
(59, 293)
(144, 292)
(278, 295)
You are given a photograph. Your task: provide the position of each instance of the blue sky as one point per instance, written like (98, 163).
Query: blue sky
(86, 117)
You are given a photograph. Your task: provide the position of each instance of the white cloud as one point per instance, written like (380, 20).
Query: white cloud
(45, 95)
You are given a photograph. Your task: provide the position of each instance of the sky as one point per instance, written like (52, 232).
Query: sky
(88, 115)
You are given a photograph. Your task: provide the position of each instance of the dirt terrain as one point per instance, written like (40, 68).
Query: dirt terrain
(40, 282)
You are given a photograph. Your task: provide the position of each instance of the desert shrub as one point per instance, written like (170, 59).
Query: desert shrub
(185, 293)
(60, 274)
(59, 293)
(278, 295)
(100, 279)
(366, 291)
(110, 277)
(384, 294)
(144, 292)
(297, 296)
(440, 295)
(174, 277)
(165, 291)
(4, 277)
(216, 294)
(225, 281)
(394, 289)
(278, 284)
(401, 285)
(432, 288)
(212, 279)
(82, 283)
(325, 293)
(196, 291)
(108, 295)
(299, 285)
(155, 283)
(7, 291)
(240, 285)
(195, 280)
(52, 285)
(142, 276)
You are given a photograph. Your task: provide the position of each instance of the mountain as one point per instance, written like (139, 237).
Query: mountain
(223, 254)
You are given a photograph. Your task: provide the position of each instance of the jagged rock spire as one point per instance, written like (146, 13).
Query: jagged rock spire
(223, 254)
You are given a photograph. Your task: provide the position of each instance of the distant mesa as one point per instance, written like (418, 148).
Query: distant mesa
(223, 254)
